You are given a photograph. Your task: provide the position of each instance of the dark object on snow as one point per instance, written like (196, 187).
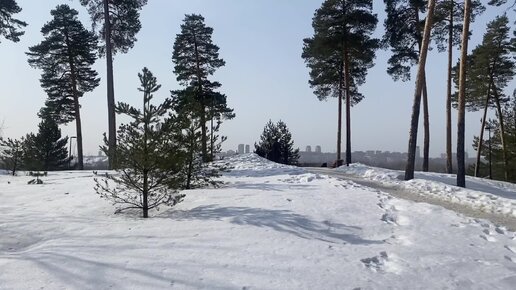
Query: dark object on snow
(337, 163)
(35, 181)
(324, 164)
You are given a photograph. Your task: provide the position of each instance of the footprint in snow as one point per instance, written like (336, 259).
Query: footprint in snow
(488, 238)
(510, 259)
(383, 263)
(510, 248)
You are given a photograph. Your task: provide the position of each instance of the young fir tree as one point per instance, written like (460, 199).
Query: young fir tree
(404, 35)
(276, 144)
(46, 151)
(150, 157)
(196, 173)
(420, 84)
(446, 33)
(66, 56)
(340, 54)
(491, 67)
(11, 154)
(9, 26)
(119, 22)
(196, 58)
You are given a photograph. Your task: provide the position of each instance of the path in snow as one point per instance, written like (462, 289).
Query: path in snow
(397, 191)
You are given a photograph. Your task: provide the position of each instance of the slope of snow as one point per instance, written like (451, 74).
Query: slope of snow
(483, 194)
(269, 227)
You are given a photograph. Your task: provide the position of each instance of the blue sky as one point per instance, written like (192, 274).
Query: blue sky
(264, 77)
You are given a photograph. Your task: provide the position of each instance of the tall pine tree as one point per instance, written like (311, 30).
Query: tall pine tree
(339, 55)
(66, 56)
(420, 83)
(9, 26)
(491, 67)
(446, 33)
(461, 115)
(403, 34)
(119, 22)
(196, 58)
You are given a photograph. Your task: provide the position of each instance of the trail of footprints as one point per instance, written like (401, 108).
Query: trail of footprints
(386, 262)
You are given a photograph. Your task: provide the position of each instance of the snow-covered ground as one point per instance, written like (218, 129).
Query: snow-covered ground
(482, 194)
(269, 227)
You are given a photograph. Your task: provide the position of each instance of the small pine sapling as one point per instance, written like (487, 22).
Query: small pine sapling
(11, 154)
(149, 155)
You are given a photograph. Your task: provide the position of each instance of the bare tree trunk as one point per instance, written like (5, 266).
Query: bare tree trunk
(202, 113)
(409, 170)
(481, 137)
(502, 134)
(449, 163)
(145, 194)
(348, 107)
(110, 90)
(339, 118)
(77, 107)
(461, 130)
(426, 125)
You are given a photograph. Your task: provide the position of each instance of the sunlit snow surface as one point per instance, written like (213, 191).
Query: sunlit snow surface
(484, 194)
(269, 227)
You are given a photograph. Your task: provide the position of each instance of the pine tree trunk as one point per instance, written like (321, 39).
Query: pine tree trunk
(502, 134)
(202, 113)
(110, 90)
(77, 107)
(339, 118)
(190, 160)
(348, 107)
(481, 138)
(145, 205)
(449, 162)
(426, 125)
(461, 130)
(409, 169)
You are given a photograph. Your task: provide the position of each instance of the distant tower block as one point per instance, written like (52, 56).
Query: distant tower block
(308, 148)
(247, 149)
(317, 149)
(418, 152)
(240, 148)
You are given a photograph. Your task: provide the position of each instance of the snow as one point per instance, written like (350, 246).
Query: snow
(268, 227)
(482, 194)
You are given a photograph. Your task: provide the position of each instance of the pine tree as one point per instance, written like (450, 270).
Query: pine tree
(9, 26)
(119, 22)
(196, 58)
(276, 144)
(420, 83)
(66, 56)
(461, 116)
(403, 34)
(150, 155)
(11, 154)
(446, 33)
(340, 54)
(46, 151)
(491, 67)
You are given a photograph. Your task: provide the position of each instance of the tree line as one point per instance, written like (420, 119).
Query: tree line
(342, 50)
(166, 147)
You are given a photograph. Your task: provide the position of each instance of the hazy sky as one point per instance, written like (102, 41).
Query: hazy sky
(264, 77)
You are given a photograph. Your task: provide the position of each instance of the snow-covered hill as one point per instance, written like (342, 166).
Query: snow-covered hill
(269, 227)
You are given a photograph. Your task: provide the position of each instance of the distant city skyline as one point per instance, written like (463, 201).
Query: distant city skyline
(264, 79)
